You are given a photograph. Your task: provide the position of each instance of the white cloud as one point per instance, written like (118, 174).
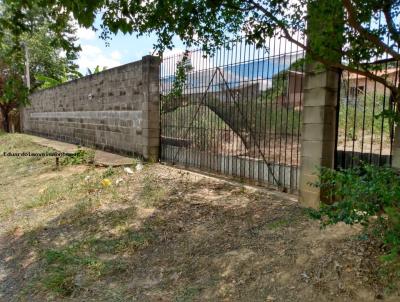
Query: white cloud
(116, 55)
(85, 33)
(91, 56)
(198, 61)
(171, 52)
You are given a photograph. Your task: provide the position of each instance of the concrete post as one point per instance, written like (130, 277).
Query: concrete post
(151, 107)
(396, 148)
(318, 131)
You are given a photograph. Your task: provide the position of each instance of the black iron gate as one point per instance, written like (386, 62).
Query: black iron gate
(364, 134)
(237, 112)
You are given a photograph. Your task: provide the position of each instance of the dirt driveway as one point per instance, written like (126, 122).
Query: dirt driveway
(163, 234)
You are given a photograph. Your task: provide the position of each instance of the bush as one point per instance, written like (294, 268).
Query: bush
(368, 195)
(81, 156)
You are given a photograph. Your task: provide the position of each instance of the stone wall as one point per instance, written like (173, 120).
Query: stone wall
(116, 110)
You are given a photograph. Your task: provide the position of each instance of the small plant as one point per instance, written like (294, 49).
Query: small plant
(62, 266)
(280, 223)
(109, 172)
(79, 157)
(367, 195)
(188, 294)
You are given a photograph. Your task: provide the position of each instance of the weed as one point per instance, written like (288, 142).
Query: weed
(278, 224)
(6, 211)
(63, 266)
(82, 156)
(188, 294)
(109, 172)
(128, 241)
(54, 256)
(49, 195)
(59, 280)
(152, 193)
(135, 162)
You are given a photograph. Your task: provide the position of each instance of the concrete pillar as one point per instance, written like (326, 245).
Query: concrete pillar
(151, 107)
(318, 130)
(396, 148)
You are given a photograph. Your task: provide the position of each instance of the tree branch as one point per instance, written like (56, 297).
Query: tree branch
(353, 22)
(390, 24)
(364, 72)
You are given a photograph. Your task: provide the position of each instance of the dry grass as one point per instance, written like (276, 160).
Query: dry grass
(163, 234)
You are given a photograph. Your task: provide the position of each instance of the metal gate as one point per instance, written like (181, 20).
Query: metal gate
(237, 113)
(363, 133)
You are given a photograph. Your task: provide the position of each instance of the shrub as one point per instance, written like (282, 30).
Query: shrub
(81, 156)
(368, 195)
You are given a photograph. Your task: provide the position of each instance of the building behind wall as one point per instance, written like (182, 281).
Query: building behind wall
(356, 86)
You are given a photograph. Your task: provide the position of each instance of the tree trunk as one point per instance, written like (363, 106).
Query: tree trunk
(6, 123)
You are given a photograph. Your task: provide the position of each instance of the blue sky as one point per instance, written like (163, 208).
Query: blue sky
(122, 49)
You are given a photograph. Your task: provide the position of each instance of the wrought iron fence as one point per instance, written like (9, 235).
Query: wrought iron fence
(364, 134)
(237, 112)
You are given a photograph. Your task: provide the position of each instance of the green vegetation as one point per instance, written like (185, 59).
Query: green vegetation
(278, 224)
(160, 233)
(53, 193)
(367, 195)
(345, 43)
(364, 114)
(253, 116)
(188, 294)
(205, 128)
(82, 156)
(46, 38)
(95, 70)
(109, 172)
(63, 265)
(152, 193)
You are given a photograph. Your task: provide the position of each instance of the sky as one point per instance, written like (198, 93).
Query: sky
(122, 49)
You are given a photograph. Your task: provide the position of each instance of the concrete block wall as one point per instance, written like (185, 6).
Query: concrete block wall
(115, 110)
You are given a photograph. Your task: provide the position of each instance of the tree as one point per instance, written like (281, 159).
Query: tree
(13, 91)
(52, 52)
(358, 32)
(95, 70)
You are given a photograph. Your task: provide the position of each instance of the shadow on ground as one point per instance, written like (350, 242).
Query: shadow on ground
(203, 240)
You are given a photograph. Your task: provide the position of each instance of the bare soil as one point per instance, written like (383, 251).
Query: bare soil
(163, 234)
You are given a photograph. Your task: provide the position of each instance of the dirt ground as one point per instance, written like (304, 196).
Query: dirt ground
(163, 234)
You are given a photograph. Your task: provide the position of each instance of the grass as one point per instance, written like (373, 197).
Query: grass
(62, 267)
(159, 235)
(278, 224)
(20, 170)
(81, 262)
(82, 156)
(55, 192)
(109, 172)
(77, 193)
(152, 193)
(359, 121)
(188, 294)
